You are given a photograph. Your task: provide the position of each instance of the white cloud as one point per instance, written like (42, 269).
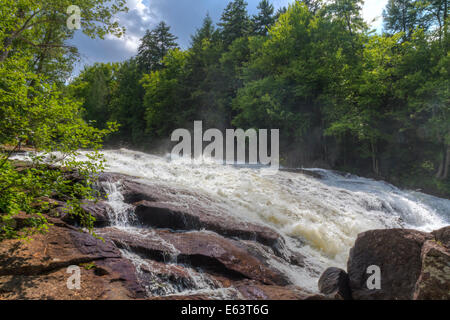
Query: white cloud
(372, 12)
(142, 9)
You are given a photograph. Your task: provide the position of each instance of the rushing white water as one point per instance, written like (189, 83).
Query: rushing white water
(122, 214)
(319, 218)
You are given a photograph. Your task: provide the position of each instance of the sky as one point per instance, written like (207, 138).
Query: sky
(183, 16)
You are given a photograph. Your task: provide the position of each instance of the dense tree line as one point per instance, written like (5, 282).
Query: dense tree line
(342, 95)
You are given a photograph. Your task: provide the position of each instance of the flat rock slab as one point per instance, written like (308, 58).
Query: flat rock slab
(190, 216)
(37, 269)
(200, 249)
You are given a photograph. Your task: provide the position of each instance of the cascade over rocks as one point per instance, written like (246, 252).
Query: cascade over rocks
(176, 244)
(179, 241)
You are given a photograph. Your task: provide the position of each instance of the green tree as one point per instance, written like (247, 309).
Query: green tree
(204, 79)
(34, 111)
(405, 16)
(264, 19)
(165, 95)
(22, 20)
(94, 87)
(154, 46)
(127, 106)
(235, 22)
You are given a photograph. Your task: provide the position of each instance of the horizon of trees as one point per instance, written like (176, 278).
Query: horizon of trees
(343, 96)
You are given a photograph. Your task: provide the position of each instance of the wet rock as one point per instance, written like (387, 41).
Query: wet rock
(178, 209)
(193, 217)
(209, 251)
(314, 174)
(397, 252)
(181, 297)
(334, 283)
(434, 279)
(123, 271)
(131, 190)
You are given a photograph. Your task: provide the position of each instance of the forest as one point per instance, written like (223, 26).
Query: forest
(342, 95)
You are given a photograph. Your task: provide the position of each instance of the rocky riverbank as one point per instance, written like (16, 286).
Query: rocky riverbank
(176, 250)
(412, 264)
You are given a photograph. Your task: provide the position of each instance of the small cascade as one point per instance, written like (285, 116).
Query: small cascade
(122, 214)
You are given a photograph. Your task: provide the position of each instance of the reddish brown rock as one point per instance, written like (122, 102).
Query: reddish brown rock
(190, 216)
(206, 250)
(251, 290)
(334, 283)
(97, 209)
(434, 279)
(159, 206)
(442, 236)
(37, 269)
(397, 252)
(53, 286)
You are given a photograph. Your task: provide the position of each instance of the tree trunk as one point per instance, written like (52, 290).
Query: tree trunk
(443, 171)
(447, 164)
(375, 166)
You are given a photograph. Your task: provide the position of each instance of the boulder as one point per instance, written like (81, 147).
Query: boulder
(434, 279)
(397, 252)
(442, 236)
(334, 283)
(160, 206)
(97, 209)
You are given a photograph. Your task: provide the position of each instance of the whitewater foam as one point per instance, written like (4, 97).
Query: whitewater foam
(319, 218)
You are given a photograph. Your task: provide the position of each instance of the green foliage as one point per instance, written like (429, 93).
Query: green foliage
(339, 93)
(235, 22)
(264, 19)
(154, 46)
(94, 87)
(41, 116)
(164, 94)
(35, 112)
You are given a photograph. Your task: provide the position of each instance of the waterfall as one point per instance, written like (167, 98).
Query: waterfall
(319, 218)
(319, 215)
